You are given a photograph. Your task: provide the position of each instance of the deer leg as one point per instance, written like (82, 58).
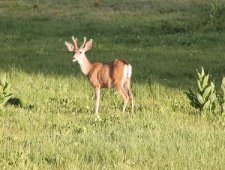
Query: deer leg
(124, 95)
(97, 98)
(128, 90)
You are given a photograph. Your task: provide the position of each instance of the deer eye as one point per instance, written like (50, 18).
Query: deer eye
(80, 52)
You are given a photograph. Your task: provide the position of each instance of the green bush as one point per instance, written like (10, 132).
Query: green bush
(222, 96)
(216, 13)
(205, 98)
(5, 94)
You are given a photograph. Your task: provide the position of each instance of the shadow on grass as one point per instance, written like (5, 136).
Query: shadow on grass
(162, 53)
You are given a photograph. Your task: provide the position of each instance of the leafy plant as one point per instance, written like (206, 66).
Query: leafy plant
(5, 95)
(205, 97)
(216, 13)
(222, 96)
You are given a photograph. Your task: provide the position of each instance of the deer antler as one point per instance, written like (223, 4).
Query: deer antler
(83, 43)
(75, 42)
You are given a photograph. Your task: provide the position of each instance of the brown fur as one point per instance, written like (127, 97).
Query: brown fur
(106, 75)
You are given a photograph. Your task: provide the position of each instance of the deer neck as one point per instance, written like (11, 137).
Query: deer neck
(85, 65)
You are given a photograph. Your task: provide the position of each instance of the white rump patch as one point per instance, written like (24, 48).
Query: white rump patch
(127, 71)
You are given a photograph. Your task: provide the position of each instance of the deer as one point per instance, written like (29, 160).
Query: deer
(115, 74)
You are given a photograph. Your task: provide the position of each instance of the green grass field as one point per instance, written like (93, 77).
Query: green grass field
(164, 40)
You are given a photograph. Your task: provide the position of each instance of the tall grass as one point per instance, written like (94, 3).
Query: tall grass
(165, 41)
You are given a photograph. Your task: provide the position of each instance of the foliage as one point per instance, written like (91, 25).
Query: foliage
(217, 13)
(222, 96)
(5, 94)
(205, 97)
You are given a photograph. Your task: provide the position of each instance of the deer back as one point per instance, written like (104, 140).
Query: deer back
(107, 74)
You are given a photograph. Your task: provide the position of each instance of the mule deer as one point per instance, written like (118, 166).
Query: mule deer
(116, 73)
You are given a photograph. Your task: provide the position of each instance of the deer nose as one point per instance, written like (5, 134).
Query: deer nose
(74, 59)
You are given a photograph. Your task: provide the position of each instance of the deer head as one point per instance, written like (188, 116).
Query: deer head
(79, 52)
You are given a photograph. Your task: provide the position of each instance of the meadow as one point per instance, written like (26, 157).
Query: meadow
(164, 40)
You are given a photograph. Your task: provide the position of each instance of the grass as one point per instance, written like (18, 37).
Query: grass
(165, 41)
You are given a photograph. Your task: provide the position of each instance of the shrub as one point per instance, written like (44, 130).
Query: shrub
(5, 94)
(216, 15)
(222, 97)
(205, 98)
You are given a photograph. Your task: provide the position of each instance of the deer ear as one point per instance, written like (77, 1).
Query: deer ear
(88, 45)
(69, 46)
